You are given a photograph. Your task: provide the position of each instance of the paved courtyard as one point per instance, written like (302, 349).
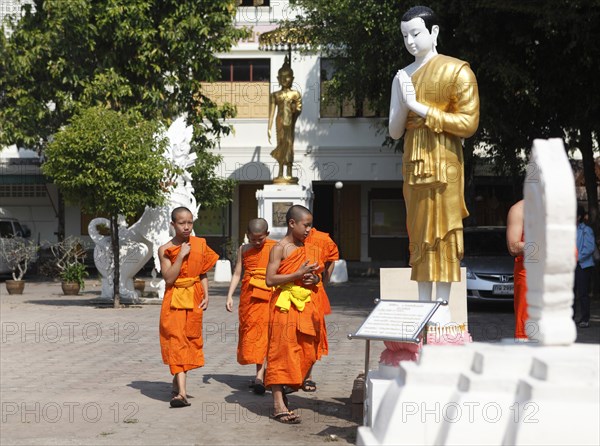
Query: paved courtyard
(74, 370)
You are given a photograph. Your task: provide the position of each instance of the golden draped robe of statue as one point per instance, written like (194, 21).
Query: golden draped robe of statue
(433, 167)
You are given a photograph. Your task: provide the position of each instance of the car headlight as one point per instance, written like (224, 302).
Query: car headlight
(470, 274)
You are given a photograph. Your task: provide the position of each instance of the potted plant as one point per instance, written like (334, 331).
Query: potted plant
(73, 278)
(69, 255)
(19, 254)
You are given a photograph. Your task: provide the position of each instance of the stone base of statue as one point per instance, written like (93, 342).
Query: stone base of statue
(449, 327)
(275, 200)
(285, 180)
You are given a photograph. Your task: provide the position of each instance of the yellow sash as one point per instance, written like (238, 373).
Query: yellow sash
(295, 294)
(257, 281)
(183, 293)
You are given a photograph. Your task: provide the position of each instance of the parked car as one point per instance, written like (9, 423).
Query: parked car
(10, 228)
(489, 265)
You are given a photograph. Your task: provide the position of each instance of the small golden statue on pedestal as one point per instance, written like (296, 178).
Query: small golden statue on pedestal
(289, 106)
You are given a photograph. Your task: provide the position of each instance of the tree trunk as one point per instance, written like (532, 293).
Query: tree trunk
(589, 173)
(114, 237)
(60, 232)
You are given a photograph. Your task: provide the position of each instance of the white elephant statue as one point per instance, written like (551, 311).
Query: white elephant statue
(141, 240)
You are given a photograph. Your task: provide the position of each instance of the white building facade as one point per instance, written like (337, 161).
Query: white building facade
(333, 143)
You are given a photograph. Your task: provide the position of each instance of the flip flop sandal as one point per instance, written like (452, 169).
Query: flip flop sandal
(286, 418)
(309, 385)
(179, 401)
(259, 387)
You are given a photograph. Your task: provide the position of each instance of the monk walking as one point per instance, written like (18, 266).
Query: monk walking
(294, 325)
(255, 295)
(329, 254)
(184, 262)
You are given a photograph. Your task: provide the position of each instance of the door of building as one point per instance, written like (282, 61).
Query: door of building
(248, 207)
(348, 200)
(331, 207)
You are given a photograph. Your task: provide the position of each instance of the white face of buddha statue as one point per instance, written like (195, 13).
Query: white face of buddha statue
(418, 40)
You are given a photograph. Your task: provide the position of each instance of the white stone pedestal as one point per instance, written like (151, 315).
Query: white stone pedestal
(274, 201)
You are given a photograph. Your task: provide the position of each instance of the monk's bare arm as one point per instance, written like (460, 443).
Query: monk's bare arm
(327, 272)
(204, 282)
(275, 258)
(514, 230)
(169, 270)
(235, 280)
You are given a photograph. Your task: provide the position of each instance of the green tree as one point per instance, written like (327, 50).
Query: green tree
(535, 64)
(144, 55)
(109, 162)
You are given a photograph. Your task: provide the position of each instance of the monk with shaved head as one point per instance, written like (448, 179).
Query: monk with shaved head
(184, 262)
(294, 333)
(253, 310)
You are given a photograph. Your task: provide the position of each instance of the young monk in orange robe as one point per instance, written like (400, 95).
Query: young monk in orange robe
(254, 299)
(184, 262)
(329, 254)
(515, 242)
(294, 325)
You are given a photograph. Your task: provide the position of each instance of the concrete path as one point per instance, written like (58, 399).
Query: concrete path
(76, 371)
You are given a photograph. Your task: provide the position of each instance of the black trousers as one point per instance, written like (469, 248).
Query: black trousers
(582, 292)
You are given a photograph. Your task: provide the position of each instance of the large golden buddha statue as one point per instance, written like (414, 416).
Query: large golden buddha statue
(434, 104)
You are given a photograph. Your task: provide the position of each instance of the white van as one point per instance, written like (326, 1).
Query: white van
(10, 228)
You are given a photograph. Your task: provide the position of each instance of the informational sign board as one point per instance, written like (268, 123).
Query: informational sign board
(396, 320)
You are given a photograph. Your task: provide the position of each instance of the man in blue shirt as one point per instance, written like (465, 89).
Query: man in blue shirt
(585, 265)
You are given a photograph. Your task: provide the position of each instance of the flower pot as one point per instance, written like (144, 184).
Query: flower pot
(139, 284)
(15, 286)
(70, 288)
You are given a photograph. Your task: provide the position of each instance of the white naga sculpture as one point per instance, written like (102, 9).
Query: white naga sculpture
(141, 240)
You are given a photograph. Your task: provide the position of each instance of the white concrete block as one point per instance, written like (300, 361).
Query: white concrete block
(223, 271)
(340, 272)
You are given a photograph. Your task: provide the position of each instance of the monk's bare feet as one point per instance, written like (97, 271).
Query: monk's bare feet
(280, 403)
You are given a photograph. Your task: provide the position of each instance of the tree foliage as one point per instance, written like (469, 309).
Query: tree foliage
(111, 163)
(535, 62)
(108, 162)
(143, 55)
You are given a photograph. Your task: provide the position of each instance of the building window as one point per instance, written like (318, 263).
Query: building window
(253, 2)
(388, 218)
(331, 107)
(244, 83)
(23, 190)
(245, 70)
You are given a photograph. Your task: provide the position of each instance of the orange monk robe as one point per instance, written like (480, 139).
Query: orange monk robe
(329, 253)
(293, 335)
(181, 330)
(254, 306)
(520, 301)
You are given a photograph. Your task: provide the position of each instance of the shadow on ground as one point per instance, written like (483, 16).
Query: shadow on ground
(307, 405)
